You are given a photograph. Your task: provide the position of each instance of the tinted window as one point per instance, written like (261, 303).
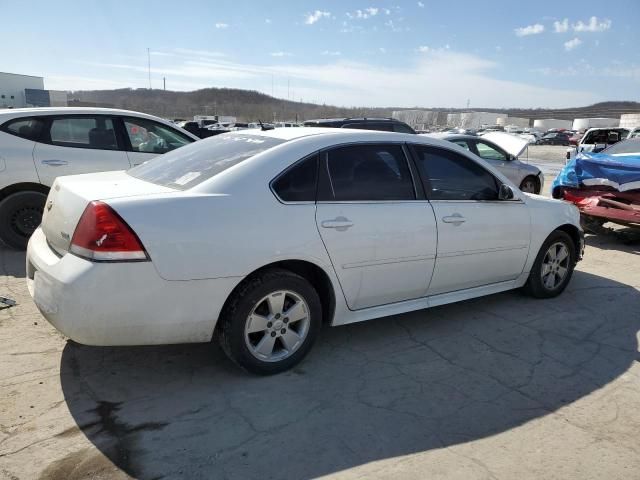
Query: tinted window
(454, 177)
(84, 132)
(402, 128)
(631, 145)
(187, 167)
(298, 184)
(29, 128)
(380, 126)
(488, 152)
(369, 172)
(151, 137)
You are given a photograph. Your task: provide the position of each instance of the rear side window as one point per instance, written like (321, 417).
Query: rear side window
(151, 137)
(369, 173)
(193, 164)
(298, 184)
(454, 177)
(83, 132)
(29, 128)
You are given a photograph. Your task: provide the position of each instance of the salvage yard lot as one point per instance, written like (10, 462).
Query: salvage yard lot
(498, 387)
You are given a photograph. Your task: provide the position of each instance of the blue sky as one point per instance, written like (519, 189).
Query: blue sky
(494, 53)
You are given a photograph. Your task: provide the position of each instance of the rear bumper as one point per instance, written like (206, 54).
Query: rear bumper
(121, 303)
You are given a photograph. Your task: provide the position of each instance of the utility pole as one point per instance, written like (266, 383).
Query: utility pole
(272, 84)
(164, 83)
(468, 103)
(149, 65)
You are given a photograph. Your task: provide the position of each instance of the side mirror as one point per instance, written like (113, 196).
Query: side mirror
(511, 158)
(505, 192)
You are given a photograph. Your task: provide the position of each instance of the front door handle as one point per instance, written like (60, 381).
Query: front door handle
(55, 163)
(456, 219)
(339, 223)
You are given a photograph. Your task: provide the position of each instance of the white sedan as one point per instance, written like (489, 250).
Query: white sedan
(259, 238)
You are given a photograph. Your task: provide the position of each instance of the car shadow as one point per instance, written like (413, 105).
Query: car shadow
(367, 392)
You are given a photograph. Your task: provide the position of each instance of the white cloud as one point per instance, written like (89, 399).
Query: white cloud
(331, 54)
(421, 5)
(529, 30)
(281, 54)
(561, 27)
(222, 25)
(197, 53)
(594, 25)
(312, 18)
(267, 20)
(571, 44)
(341, 82)
(423, 49)
(386, 11)
(364, 14)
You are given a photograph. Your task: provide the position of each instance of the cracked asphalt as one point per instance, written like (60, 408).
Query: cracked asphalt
(500, 387)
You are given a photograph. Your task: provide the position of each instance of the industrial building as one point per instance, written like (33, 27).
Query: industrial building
(586, 123)
(630, 120)
(19, 91)
(544, 124)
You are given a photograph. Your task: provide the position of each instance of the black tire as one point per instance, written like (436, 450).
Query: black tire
(20, 215)
(535, 286)
(236, 311)
(536, 183)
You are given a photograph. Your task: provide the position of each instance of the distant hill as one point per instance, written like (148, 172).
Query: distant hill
(249, 105)
(246, 105)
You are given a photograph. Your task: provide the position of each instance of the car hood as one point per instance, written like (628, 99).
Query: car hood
(509, 143)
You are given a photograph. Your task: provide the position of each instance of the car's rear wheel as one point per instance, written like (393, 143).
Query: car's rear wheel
(270, 322)
(20, 215)
(529, 185)
(553, 266)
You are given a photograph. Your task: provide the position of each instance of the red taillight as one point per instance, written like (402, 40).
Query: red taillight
(101, 235)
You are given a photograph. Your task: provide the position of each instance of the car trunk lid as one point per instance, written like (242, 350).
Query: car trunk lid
(70, 195)
(509, 143)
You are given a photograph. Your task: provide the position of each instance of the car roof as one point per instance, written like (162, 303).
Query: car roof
(11, 113)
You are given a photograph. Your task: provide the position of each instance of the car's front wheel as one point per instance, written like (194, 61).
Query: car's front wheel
(270, 322)
(553, 266)
(20, 215)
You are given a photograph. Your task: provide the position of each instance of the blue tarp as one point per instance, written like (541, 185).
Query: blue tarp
(621, 172)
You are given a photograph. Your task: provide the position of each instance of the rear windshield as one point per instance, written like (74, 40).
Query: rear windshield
(191, 165)
(602, 136)
(628, 146)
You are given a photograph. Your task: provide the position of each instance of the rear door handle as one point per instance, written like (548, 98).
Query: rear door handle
(456, 219)
(339, 223)
(55, 163)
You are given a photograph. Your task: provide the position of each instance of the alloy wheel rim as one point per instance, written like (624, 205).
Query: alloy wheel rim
(277, 326)
(555, 266)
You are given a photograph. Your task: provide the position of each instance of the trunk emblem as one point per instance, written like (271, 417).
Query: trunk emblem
(49, 205)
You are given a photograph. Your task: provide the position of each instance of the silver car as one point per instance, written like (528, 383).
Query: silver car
(502, 151)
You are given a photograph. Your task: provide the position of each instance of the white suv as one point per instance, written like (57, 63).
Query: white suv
(39, 144)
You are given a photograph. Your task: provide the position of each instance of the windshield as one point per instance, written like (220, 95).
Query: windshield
(602, 136)
(628, 146)
(191, 165)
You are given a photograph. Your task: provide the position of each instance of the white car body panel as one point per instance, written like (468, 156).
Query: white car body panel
(511, 144)
(23, 158)
(204, 241)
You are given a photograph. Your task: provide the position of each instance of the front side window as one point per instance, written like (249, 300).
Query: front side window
(298, 184)
(488, 152)
(454, 177)
(83, 132)
(148, 136)
(29, 128)
(369, 173)
(189, 166)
